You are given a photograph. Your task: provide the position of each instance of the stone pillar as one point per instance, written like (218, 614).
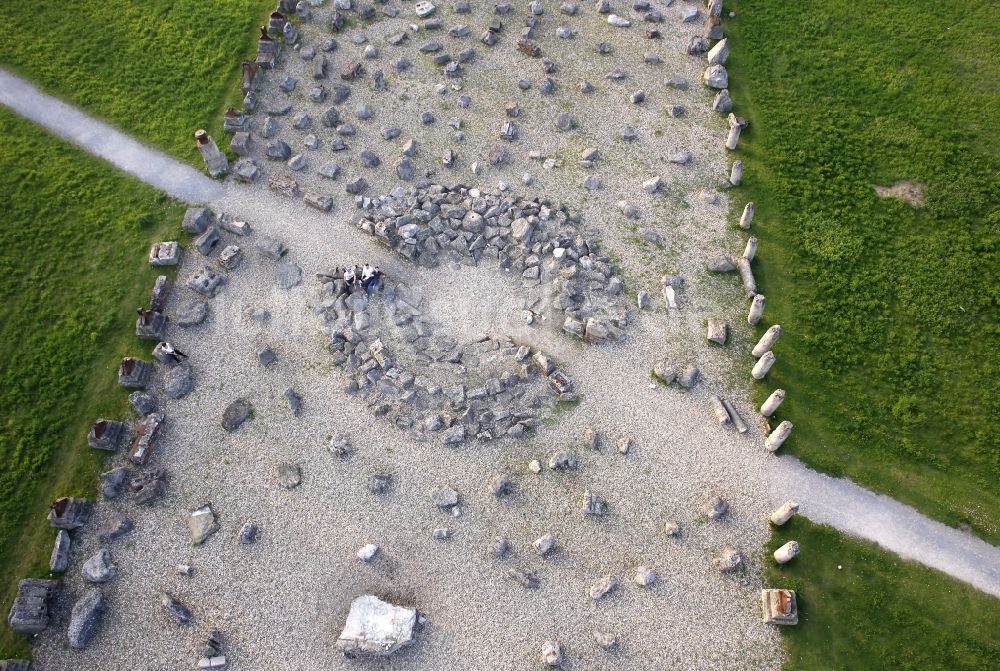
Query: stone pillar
(215, 160)
(756, 309)
(746, 274)
(736, 173)
(778, 436)
(670, 296)
(786, 552)
(766, 342)
(734, 137)
(769, 406)
(763, 365)
(736, 126)
(720, 411)
(784, 513)
(747, 218)
(750, 250)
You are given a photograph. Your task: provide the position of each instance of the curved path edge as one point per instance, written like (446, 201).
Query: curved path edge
(837, 502)
(148, 165)
(852, 509)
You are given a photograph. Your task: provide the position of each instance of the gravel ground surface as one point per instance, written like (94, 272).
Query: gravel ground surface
(281, 602)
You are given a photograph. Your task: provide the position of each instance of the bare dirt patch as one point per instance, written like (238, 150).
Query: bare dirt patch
(911, 192)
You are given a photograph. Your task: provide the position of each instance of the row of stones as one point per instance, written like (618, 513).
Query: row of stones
(30, 612)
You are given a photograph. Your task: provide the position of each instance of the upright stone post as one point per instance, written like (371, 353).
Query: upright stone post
(779, 436)
(766, 342)
(769, 406)
(756, 309)
(784, 513)
(786, 552)
(736, 173)
(747, 217)
(750, 250)
(736, 126)
(763, 365)
(215, 161)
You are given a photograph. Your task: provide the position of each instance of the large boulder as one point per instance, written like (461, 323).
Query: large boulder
(84, 619)
(99, 568)
(376, 628)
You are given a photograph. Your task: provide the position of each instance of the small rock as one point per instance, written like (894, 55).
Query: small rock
(545, 544)
(289, 475)
(603, 587)
(727, 561)
(175, 609)
(379, 483)
(368, 552)
(502, 486)
(552, 654)
(644, 576)
(85, 618)
(248, 533)
(562, 461)
(444, 497)
(202, 524)
(593, 504)
(605, 640)
(525, 579)
(715, 506)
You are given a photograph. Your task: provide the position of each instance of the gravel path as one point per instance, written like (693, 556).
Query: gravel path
(854, 510)
(149, 165)
(282, 601)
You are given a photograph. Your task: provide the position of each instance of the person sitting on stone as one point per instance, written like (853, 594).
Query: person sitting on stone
(357, 275)
(367, 272)
(374, 281)
(172, 352)
(349, 276)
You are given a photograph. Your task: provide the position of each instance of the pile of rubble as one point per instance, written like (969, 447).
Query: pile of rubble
(431, 384)
(541, 244)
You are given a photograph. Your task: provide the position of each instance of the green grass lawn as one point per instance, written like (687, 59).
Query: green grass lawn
(73, 264)
(861, 607)
(159, 69)
(891, 354)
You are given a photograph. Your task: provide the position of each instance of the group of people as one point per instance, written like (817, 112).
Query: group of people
(366, 277)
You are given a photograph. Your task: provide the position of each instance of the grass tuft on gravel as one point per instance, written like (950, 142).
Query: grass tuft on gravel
(891, 352)
(73, 249)
(861, 607)
(157, 69)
